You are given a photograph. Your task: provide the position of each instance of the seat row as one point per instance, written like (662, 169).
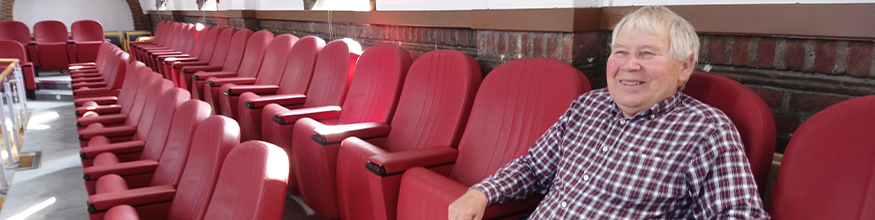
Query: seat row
(51, 49)
(347, 117)
(163, 156)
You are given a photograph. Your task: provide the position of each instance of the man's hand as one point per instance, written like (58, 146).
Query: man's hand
(469, 206)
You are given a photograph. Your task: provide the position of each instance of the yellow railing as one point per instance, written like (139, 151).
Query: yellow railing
(12, 64)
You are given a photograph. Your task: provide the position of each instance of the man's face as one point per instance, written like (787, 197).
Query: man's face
(641, 72)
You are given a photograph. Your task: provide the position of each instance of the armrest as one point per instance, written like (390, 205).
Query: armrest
(194, 69)
(126, 130)
(99, 109)
(134, 197)
(103, 119)
(80, 71)
(291, 99)
(398, 162)
(336, 133)
(155, 54)
(206, 75)
(86, 79)
(163, 57)
(257, 89)
(117, 148)
(89, 84)
(93, 173)
(103, 100)
(218, 82)
(92, 91)
(181, 59)
(317, 113)
(185, 63)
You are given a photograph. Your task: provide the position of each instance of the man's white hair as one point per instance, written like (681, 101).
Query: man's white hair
(683, 41)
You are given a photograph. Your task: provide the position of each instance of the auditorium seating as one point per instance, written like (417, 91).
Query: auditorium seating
(18, 31)
(181, 40)
(827, 169)
(269, 74)
(200, 42)
(293, 86)
(512, 109)
(209, 48)
(126, 92)
(750, 114)
(141, 112)
(108, 75)
(218, 58)
(191, 168)
(210, 78)
(366, 111)
(87, 38)
(432, 110)
(232, 62)
(102, 51)
(13, 49)
(52, 45)
(251, 185)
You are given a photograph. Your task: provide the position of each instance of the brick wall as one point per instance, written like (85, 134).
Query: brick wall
(795, 76)
(6, 9)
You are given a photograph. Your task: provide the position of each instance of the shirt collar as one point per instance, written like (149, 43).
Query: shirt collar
(660, 108)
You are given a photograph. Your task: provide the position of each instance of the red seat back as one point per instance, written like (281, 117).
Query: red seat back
(274, 62)
(252, 184)
(13, 49)
(332, 74)
(176, 150)
(236, 48)
(200, 40)
(147, 115)
(117, 70)
(748, 112)
(86, 30)
(50, 31)
(210, 44)
(375, 87)
(156, 132)
(15, 30)
(828, 169)
(213, 140)
(299, 68)
(435, 101)
(254, 54)
(515, 105)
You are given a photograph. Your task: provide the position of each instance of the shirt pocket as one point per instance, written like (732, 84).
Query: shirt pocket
(645, 179)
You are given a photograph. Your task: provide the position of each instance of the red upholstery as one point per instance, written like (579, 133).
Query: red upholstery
(371, 98)
(748, 112)
(136, 117)
(51, 42)
(251, 185)
(219, 54)
(269, 74)
(249, 66)
(88, 36)
(232, 62)
(125, 99)
(512, 109)
(827, 171)
(181, 35)
(334, 69)
(18, 31)
(295, 81)
(214, 139)
(432, 111)
(200, 42)
(13, 49)
(209, 46)
(111, 75)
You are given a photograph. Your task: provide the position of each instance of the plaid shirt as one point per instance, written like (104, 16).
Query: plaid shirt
(681, 159)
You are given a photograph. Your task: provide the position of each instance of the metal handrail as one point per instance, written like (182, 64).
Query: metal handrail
(4, 182)
(10, 67)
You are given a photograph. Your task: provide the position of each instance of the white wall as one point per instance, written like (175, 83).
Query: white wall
(114, 15)
(280, 5)
(724, 2)
(343, 5)
(148, 5)
(418, 5)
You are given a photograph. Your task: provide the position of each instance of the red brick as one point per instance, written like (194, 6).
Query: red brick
(786, 123)
(567, 47)
(766, 53)
(524, 45)
(538, 45)
(466, 39)
(490, 41)
(825, 57)
(795, 54)
(502, 43)
(813, 103)
(773, 98)
(450, 37)
(513, 44)
(739, 51)
(423, 35)
(717, 50)
(859, 58)
(552, 45)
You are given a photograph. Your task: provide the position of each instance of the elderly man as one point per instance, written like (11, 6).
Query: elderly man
(639, 149)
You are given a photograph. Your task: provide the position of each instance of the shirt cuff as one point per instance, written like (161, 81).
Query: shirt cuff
(488, 189)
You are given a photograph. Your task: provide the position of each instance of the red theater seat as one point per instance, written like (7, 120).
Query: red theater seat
(18, 31)
(251, 185)
(52, 45)
(209, 47)
(827, 171)
(249, 66)
(200, 42)
(99, 134)
(512, 110)
(13, 49)
(269, 74)
(192, 171)
(218, 58)
(750, 114)
(432, 110)
(232, 62)
(367, 111)
(87, 37)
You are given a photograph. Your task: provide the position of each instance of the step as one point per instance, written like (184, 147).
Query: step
(52, 84)
(53, 95)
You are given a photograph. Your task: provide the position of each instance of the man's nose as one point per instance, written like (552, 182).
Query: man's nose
(630, 64)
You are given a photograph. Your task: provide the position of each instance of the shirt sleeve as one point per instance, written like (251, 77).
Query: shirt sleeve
(531, 173)
(722, 184)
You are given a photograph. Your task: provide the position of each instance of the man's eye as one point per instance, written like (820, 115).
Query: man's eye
(648, 53)
(620, 52)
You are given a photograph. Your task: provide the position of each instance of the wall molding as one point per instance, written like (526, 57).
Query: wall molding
(853, 21)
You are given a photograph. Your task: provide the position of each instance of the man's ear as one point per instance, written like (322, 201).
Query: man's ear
(687, 66)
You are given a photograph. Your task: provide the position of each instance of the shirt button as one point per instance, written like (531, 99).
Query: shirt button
(652, 116)
(585, 177)
(563, 204)
(622, 122)
(605, 149)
